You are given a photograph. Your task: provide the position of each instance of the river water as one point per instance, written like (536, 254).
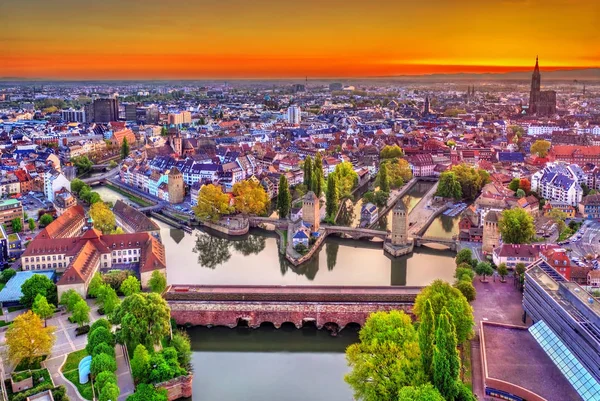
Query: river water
(268, 364)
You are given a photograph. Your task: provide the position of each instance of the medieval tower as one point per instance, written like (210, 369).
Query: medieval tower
(399, 225)
(175, 186)
(311, 210)
(176, 141)
(491, 232)
(541, 103)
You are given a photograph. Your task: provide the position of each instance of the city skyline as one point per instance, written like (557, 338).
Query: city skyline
(272, 39)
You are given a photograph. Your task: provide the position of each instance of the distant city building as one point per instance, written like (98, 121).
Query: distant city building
(10, 209)
(336, 86)
(541, 103)
(184, 117)
(106, 110)
(559, 182)
(293, 115)
(73, 116)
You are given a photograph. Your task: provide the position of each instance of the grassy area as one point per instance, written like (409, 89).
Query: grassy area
(565, 234)
(465, 355)
(2, 285)
(133, 198)
(71, 372)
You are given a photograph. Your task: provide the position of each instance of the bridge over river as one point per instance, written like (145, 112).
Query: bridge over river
(327, 307)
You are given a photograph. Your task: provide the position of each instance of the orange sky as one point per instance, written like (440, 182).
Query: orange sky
(75, 39)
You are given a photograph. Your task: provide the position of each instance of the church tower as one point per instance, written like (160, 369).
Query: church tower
(176, 141)
(534, 94)
(426, 107)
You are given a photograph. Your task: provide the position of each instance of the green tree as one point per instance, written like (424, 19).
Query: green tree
(540, 148)
(157, 282)
(443, 295)
(131, 285)
(516, 226)
(98, 336)
(77, 185)
(212, 203)
(464, 256)
(448, 186)
(446, 362)
(284, 198)
(164, 131)
(318, 177)
(124, 149)
(103, 348)
(181, 342)
(384, 183)
(514, 184)
(308, 173)
(105, 378)
(331, 198)
(467, 289)
(103, 363)
(484, 269)
(102, 322)
(82, 163)
(147, 392)
(346, 178)
(81, 313)
(502, 271)
(520, 193)
(32, 224)
(386, 359)
(69, 299)
(94, 197)
(426, 334)
(391, 152)
(46, 219)
(140, 364)
(37, 284)
(17, 225)
(464, 272)
(95, 285)
(42, 308)
(425, 392)
(6, 275)
(108, 299)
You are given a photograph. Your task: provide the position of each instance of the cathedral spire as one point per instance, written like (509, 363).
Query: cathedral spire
(537, 67)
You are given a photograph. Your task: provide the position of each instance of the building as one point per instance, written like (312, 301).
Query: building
(73, 116)
(118, 137)
(63, 200)
(512, 254)
(176, 186)
(54, 182)
(541, 103)
(590, 207)
(564, 207)
(184, 117)
(560, 182)
(10, 209)
(558, 259)
(399, 225)
(311, 210)
(573, 318)
(176, 141)
(132, 220)
(69, 224)
(576, 154)
(422, 165)
(106, 110)
(368, 214)
(131, 112)
(491, 232)
(294, 115)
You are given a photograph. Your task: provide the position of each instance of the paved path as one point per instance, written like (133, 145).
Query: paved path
(124, 378)
(53, 365)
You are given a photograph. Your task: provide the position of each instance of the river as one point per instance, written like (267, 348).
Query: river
(268, 364)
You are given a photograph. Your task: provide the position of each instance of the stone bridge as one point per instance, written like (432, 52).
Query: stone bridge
(451, 243)
(356, 233)
(153, 208)
(101, 178)
(280, 224)
(327, 307)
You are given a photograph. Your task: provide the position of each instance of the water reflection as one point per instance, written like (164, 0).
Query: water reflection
(213, 250)
(443, 227)
(331, 250)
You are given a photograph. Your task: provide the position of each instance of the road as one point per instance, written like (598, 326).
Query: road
(588, 243)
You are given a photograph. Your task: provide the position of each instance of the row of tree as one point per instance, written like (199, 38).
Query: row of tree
(313, 174)
(462, 182)
(249, 197)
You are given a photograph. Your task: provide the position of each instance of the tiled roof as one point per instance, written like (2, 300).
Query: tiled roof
(63, 223)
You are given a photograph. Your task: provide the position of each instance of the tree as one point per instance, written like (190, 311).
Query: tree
(6, 275)
(42, 308)
(104, 378)
(467, 289)
(516, 226)
(520, 268)
(32, 224)
(108, 299)
(446, 362)
(82, 163)
(464, 272)
(520, 193)
(81, 313)
(448, 186)
(17, 225)
(104, 218)
(525, 185)
(308, 173)
(331, 198)
(37, 284)
(27, 338)
(102, 322)
(558, 216)
(69, 299)
(484, 269)
(502, 271)
(384, 183)
(144, 319)
(103, 363)
(398, 171)
(540, 148)
(346, 178)
(131, 285)
(94, 197)
(97, 336)
(95, 285)
(124, 149)
(157, 282)
(46, 219)
(147, 392)
(386, 359)
(181, 343)
(250, 197)
(391, 152)
(77, 185)
(164, 131)
(140, 364)
(443, 295)
(464, 256)
(318, 175)
(104, 348)
(426, 333)
(514, 184)
(212, 203)
(284, 198)
(471, 180)
(425, 392)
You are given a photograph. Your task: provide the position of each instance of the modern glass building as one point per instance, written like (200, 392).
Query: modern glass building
(570, 333)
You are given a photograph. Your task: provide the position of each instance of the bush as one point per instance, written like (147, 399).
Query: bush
(102, 363)
(467, 289)
(115, 278)
(98, 336)
(60, 393)
(463, 273)
(147, 392)
(181, 342)
(109, 392)
(79, 331)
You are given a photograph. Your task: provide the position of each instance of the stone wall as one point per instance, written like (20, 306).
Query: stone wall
(232, 314)
(179, 387)
(226, 229)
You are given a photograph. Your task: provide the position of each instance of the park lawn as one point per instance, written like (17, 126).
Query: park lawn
(70, 370)
(465, 355)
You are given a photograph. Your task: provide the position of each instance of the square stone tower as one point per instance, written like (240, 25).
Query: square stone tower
(311, 210)
(175, 186)
(399, 224)
(491, 233)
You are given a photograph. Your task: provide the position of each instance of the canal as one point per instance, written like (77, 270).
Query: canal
(268, 364)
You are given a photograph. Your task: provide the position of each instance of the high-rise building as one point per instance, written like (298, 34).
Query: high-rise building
(184, 117)
(73, 116)
(131, 112)
(541, 103)
(106, 110)
(293, 115)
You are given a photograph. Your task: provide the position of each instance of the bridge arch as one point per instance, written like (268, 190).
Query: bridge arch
(352, 326)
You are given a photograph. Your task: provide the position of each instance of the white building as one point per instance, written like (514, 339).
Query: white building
(72, 115)
(535, 130)
(293, 115)
(560, 182)
(54, 182)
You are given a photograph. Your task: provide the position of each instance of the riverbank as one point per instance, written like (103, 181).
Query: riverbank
(133, 198)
